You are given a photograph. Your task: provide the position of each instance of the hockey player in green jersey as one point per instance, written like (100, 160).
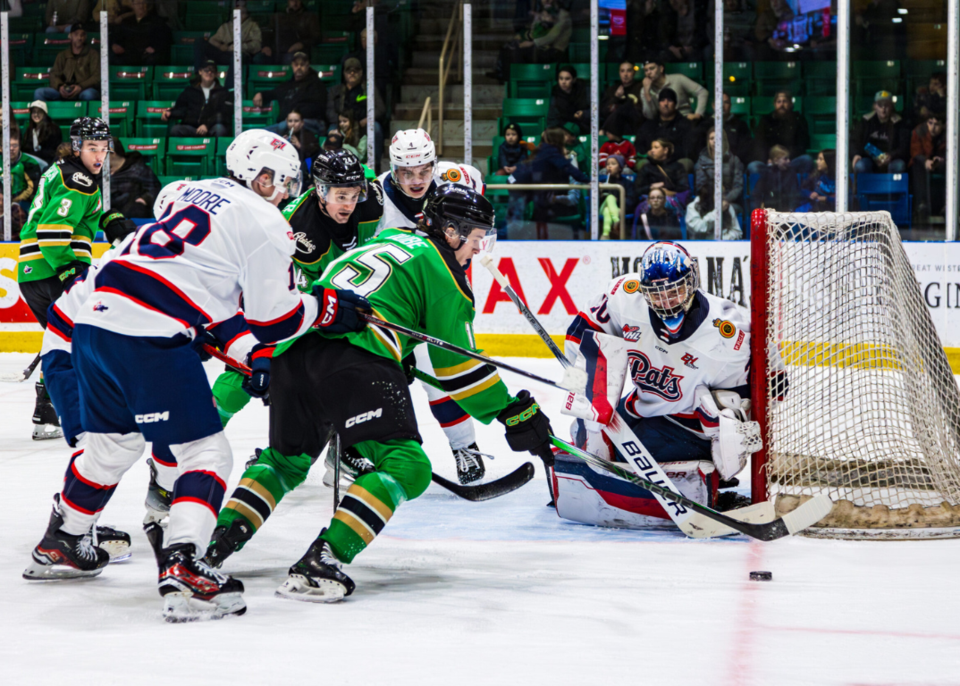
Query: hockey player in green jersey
(55, 242)
(356, 382)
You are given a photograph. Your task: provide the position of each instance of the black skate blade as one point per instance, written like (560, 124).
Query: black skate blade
(297, 587)
(180, 608)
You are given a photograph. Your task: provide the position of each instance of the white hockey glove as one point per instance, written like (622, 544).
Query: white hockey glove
(723, 415)
(604, 360)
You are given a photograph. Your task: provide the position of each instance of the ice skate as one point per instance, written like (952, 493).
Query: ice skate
(317, 577)
(470, 466)
(64, 556)
(193, 591)
(46, 424)
(158, 498)
(114, 541)
(352, 465)
(226, 541)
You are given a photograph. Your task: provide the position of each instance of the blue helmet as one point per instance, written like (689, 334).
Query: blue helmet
(669, 279)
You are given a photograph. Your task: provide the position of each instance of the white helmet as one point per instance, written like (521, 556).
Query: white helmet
(411, 148)
(258, 150)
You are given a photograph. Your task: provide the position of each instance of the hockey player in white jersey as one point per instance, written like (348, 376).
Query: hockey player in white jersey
(414, 174)
(140, 379)
(687, 353)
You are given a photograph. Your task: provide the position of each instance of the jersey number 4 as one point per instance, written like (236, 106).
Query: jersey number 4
(166, 239)
(352, 279)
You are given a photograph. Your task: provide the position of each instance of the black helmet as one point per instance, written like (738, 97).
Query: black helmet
(460, 207)
(89, 129)
(338, 169)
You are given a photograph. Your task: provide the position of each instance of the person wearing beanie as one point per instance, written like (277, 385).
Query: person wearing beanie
(669, 126)
(684, 89)
(610, 199)
(617, 145)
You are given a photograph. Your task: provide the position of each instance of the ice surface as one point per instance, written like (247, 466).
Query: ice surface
(500, 592)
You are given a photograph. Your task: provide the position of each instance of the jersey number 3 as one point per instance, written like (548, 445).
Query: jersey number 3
(351, 279)
(166, 239)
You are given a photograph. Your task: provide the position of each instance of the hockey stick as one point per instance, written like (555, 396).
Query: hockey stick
(791, 523)
(480, 492)
(22, 376)
(574, 380)
(335, 447)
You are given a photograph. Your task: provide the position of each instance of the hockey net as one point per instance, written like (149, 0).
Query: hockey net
(851, 384)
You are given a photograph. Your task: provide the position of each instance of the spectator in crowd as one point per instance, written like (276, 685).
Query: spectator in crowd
(64, 150)
(684, 89)
(778, 188)
(928, 151)
(610, 199)
(76, 71)
(141, 39)
(931, 99)
(736, 131)
(24, 171)
(646, 27)
(304, 91)
(63, 14)
(770, 42)
(739, 20)
(333, 141)
(545, 42)
(820, 188)
(385, 57)
(569, 101)
(354, 138)
(785, 128)
(661, 172)
(16, 214)
(512, 151)
(670, 126)
(576, 148)
(660, 221)
(685, 30)
(617, 145)
(295, 30)
(133, 185)
(220, 46)
(303, 140)
(42, 136)
(621, 105)
(702, 218)
(117, 11)
(732, 173)
(352, 95)
(14, 7)
(204, 108)
(881, 141)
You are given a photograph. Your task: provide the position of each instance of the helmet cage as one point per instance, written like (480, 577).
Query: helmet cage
(669, 281)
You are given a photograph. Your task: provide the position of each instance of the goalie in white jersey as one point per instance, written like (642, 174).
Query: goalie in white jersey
(687, 353)
(415, 173)
(215, 243)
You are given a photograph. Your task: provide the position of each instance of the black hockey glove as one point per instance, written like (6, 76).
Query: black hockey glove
(527, 427)
(115, 226)
(339, 310)
(70, 272)
(204, 337)
(257, 385)
(409, 364)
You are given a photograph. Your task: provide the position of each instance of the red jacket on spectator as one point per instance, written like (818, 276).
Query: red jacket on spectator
(624, 148)
(922, 143)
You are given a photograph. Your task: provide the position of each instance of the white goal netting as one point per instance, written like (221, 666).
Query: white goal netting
(861, 402)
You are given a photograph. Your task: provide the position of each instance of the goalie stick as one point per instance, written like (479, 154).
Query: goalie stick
(22, 376)
(477, 493)
(791, 523)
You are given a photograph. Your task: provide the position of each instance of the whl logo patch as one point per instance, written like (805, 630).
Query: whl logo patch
(152, 417)
(364, 417)
(650, 379)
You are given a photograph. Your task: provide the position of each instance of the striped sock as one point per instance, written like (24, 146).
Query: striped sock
(364, 511)
(255, 498)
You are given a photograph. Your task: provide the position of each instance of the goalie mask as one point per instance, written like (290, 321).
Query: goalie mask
(669, 279)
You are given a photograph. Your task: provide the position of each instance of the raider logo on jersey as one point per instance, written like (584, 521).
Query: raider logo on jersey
(650, 379)
(82, 179)
(378, 190)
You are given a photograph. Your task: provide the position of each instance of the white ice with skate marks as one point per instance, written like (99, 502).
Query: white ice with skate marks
(453, 592)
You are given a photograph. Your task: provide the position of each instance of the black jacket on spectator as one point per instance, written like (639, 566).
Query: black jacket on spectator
(340, 98)
(672, 174)
(132, 181)
(564, 105)
(296, 27)
(678, 131)
(511, 155)
(309, 96)
(136, 36)
(777, 190)
(738, 136)
(646, 33)
(627, 111)
(791, 132)
(192, 108)
(549, 166)
(47, 150)
(892, 138)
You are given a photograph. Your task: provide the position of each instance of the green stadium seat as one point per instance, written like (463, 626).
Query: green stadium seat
(29, 79)
(190, 156)
(166, 179)
(262, 77)
(150, 148)
(869, 76)
(739, 105)
(46, 47)
(579, 52)
(261, 6)
(121, 115)
(21, 110)
(205, 16)
(183, 45)
(529, 89)
(329, 73)
(64, 112)
(694, 70)
(150, 123)
(822, 141)
(258, 117)
(131, 83)
(331, 53)
(34, 9)
(20, 47)
(533, 72)
(821, 71)
(169, 81)
(523, 111)
(912, 69)
(821, 113)
(222, 144)
(344, 38)
(25, 24)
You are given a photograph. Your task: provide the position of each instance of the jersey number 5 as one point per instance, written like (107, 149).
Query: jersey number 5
(166, 239)
(351, 279)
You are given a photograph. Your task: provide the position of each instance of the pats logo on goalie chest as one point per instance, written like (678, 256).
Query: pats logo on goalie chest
(650, 379)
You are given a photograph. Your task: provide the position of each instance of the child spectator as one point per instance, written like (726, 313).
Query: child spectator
(661, 172)
(732, 171)
(42, 136)
(778, 188)
(350, 130)
(928, 150)
(513, 150)
(660, 220)
(610, 199)
(820, 188)
(569, 101)
(616, 145)
(702, 218)
(668, 125)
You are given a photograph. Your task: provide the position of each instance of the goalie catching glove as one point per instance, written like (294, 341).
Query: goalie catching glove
(340, 310)
(527, 427)
(723, 416)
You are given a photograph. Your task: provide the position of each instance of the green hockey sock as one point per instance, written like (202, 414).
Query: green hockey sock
(228, 395)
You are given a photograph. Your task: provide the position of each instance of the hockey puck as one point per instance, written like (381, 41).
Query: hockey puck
(761, 576)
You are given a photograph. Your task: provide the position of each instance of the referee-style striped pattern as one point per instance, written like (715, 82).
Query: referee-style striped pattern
(467, 379)
(363, 513)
